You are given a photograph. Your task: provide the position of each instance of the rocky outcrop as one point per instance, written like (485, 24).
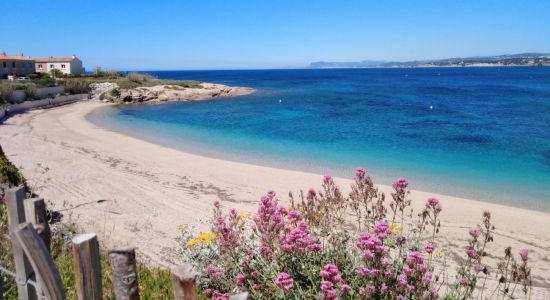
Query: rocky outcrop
(98, 90)
(164, 93)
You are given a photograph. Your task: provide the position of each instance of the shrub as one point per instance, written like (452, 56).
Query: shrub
(33, 76)
(6, 89)
(139, 78)
(75, 86)
(327, 245)
(112, 74)
(30, 92)
(115, 92)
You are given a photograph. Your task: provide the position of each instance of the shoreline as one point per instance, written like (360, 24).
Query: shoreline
(151, 189)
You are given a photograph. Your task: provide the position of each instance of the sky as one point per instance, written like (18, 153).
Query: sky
(238, 34)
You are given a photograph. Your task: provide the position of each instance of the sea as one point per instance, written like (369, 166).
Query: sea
(478, 133)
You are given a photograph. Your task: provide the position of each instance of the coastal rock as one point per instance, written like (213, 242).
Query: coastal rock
(101, 91)
(164, 93)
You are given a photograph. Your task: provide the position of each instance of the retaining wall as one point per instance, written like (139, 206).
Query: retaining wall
(10, 110)
(19, 95)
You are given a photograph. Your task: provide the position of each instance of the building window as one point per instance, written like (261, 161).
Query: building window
(30, 65)
(40, 66)
(51, 66)
(4, 64)
(62, 66)
(13, 64)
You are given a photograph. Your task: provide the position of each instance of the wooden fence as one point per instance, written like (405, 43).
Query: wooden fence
(37, 277)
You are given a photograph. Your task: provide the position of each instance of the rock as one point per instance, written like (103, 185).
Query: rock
(100, 91)
(164, 93)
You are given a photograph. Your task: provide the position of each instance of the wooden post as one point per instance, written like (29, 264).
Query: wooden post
(87, 267)
(1, 290)
(124, 273)
(41, 261)
(14, 198)
(183, 283)
(35, 212)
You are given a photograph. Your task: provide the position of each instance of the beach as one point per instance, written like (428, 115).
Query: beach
(149, 190)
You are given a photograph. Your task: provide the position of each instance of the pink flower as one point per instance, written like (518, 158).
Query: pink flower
(415, 258)
(429, 247)
(382, 230)
(240, 278)
(213, 272)
(427, 279)
(471, 253)
(207, 292)
(400, 184)
(463, 281)
(478, 267)
(524, 253)
(298, 240)
(344, 288)
(360, 172)
(294, 216)
(383, 289)
(367, 255)
(284, 281)
(326, 285)
(475, 232)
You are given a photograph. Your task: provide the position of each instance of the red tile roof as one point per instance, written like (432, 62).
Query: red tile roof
(54, 59)
(4, 56)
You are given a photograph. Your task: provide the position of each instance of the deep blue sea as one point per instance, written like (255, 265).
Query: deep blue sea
(481, 133)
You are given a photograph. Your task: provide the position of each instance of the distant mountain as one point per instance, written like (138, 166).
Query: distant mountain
(523, 59)
(358, 64)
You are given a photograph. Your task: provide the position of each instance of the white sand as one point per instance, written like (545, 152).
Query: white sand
(151, 189)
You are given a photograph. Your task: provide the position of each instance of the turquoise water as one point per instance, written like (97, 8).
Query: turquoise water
(486, 135)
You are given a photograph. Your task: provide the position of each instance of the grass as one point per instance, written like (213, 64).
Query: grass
(153, 283)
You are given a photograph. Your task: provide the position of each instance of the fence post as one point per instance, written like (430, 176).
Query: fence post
(87, 267)
(41, 261)
(35, 212)
(14, 198)
(1, 290)
(124, 273)
(183, 283)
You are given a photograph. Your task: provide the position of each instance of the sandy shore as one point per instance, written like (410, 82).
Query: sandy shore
(150, 189)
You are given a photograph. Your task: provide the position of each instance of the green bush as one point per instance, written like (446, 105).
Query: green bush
(6, 89)
(75, 86)
(140, 78)
(30, 92)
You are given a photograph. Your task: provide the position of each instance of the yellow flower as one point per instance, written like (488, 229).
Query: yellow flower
(244, 216)
(203, 238)
(438, 253)
(395, 229)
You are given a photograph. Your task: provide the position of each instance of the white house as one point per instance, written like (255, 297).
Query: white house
(67, 65)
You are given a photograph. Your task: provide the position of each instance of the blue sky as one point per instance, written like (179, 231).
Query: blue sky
(204, 34)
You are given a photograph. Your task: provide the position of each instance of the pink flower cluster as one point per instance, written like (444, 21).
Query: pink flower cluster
(226, 230)
(434, 204)
(400, 184)
(284, 281)
(330, 279)
(415, 278)
(215, 295)
(298, 240)
(268, 222)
